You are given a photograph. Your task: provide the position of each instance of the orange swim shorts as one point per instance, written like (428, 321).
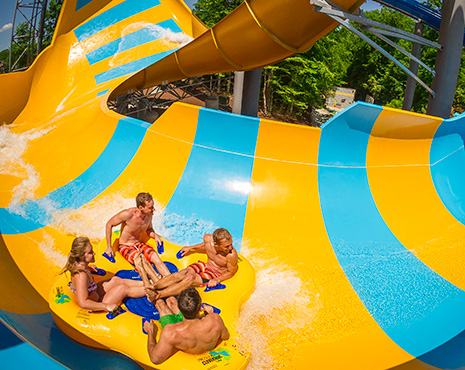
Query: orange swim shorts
(130, 251)
(205, 272)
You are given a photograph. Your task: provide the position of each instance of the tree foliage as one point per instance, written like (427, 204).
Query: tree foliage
(212, 11)
(343, 59)
(304, 81)
(22, 52)
(51, 18)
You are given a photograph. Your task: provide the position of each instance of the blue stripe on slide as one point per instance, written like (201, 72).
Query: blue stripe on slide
(102, 92)
(108, 166)
(113, 16)
(16, 354)
(82, 3)
(131, 67)
(42, 332)
(406, 298)
(215, 184)
(131, 40)
(450, 355)
(447, 159)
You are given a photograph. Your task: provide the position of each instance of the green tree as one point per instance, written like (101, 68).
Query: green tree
(21, 50)
(4, 57)
(211, 12)
(50, 21)
(372, 73)
(298, 83)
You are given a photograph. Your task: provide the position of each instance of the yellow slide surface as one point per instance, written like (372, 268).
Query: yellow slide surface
(355, 230)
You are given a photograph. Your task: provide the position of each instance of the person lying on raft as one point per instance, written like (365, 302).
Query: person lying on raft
(183, 329)
(101, 296)
(135, 222)
(221, 265)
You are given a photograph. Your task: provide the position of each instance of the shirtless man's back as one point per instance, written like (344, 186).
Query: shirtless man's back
(192, 335)
(135, 222)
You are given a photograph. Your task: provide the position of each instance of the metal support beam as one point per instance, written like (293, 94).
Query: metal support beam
(410, 87)
(247, 92)
(337, 14)
(330, 9)
(27, 39)
(448, 59)
(413, 58)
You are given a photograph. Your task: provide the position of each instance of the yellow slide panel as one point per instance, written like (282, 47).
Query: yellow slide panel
(398, 159)
(284, 219)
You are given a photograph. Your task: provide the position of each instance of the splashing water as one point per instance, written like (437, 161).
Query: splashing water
(169, 36)
(12, 149)
(90, 219)
(47, 246)
(271, 321)
(182, 230)
(158, 33)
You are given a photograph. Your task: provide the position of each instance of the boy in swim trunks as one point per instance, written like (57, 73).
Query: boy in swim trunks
(221, 265)
(136, 223)
(192, 335)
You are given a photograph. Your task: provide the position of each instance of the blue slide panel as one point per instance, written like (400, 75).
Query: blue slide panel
(450, 355)
(414, 8)
(131, 40)
(50, 344)
(102, 92)
(116, 156)
(18, 355)
(407, 299)
(222, 153)
(113, 16)
(131, 67)
(417, 10)
(82, 3)
(447, 159)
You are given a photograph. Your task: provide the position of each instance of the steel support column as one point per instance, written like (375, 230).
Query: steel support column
(448, 59)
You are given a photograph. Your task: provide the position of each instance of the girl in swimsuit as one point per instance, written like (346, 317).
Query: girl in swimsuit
(104, 295)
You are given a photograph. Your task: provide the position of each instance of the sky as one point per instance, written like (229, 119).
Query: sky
(8, 10)
(6, 22)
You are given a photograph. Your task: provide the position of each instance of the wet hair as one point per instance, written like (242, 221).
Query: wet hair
(189, 303)
(78, 250)
(220, 234)
(143, 198)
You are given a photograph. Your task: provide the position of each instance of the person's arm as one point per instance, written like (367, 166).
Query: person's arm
(224, 331)
(80, 282)
(151, 233)
(198, 248)
(231, 266)
(112, 222)
(164, 349)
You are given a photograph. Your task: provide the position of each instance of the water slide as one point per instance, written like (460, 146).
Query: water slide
(416, 9)
(355, 230)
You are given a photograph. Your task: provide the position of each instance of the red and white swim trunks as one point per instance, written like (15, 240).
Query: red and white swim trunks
(130, 251)
(205, 272)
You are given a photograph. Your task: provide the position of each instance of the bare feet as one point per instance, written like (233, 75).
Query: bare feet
(152, 294)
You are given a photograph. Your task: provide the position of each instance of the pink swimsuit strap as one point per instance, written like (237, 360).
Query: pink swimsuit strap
(92, 287)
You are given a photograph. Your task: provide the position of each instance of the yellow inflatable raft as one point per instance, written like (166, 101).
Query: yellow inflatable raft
(124, 332)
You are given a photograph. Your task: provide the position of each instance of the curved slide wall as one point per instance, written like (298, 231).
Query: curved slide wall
(355, 230)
